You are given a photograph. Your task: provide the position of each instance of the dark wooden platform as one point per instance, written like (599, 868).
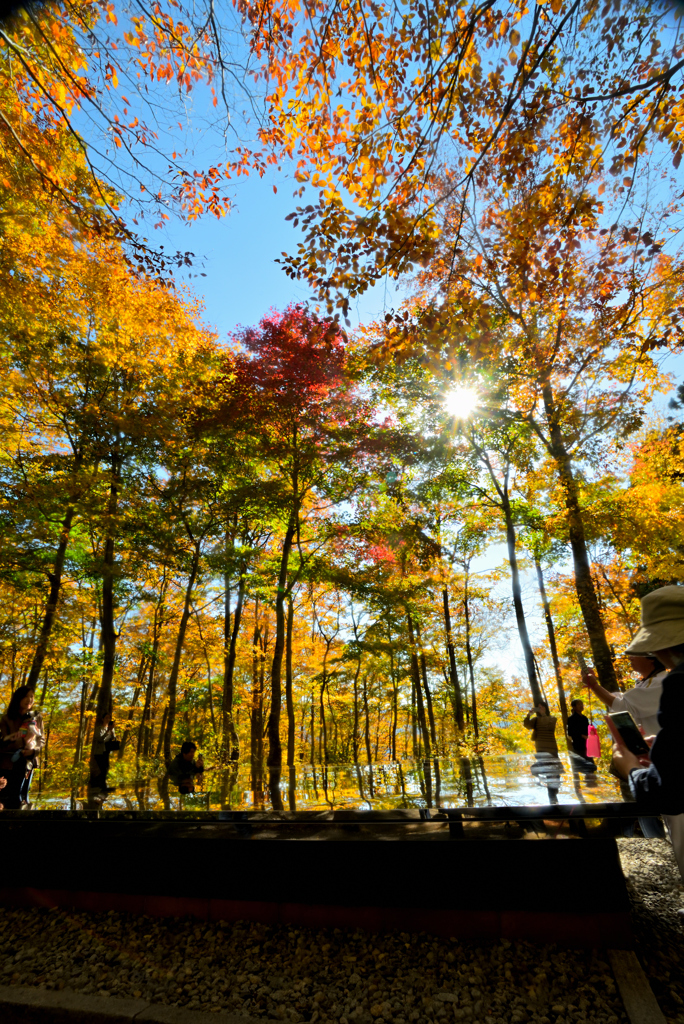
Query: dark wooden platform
(247, 867)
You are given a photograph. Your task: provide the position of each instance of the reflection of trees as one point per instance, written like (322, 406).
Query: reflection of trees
(467, 777)
(424, 772)
(292, 788)
(479, 762)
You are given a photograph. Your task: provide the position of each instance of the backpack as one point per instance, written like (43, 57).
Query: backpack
(593, 742)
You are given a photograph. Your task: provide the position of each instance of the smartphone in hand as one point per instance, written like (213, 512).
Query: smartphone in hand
(629, 733)
(583, 667)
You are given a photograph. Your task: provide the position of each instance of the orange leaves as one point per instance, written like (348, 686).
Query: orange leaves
(65, 55)
(111, 75)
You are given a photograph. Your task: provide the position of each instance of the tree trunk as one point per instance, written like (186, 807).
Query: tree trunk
(366, 715)
(178, 653)
(55, 578)
(395, 704)
(43, 695)
(428, 695)
(143, 746)
(144, 728)
(355, 725)
(289, 701)
(469, 656)
(414, 718)
(78, 752)
(229, 731)
(104, 697)
(584, 583)
(136, 694)
(428, 700)
(162, 732)
(324, 683)
(517, 597)
(312, 723)
(552, 645)
(275, 753)
(259, 645)
(458, 699)
(415, 672)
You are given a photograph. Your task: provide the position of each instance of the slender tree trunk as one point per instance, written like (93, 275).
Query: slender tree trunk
(377, 734)
(324, 682)
(517, 597)
(428, 700)
(289, 699)
(313, 737)
(144, 729)
(55, 579)
(178, 653)
(254, 719)
(355, 721)
(355, 725)
(43, 694)
(415, 672)
(259, 648)
(275, 754)
(366, 715)
(458, 699)
(428, 695)
(231, 633)
(162, 732)
(136, 694)
(45, 758)
(584, 583)
(210, 695)
(104, 697)
(395, 704)
(469, 656)
(78, 753)
(414, 718)
(552, 645)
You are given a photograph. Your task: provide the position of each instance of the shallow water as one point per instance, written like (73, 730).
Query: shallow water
(503, 781)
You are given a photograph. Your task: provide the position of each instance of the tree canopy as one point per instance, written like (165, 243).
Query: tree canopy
(297, 542)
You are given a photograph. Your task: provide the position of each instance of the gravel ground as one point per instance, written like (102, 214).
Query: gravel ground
(656, 892)
(351, 977)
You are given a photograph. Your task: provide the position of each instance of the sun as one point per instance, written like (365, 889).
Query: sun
(461, 402)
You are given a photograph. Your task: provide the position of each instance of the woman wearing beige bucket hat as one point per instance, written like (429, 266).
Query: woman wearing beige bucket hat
(658, 782)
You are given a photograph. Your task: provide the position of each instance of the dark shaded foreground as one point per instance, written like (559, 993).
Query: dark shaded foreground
(472, 889)
(295, 974)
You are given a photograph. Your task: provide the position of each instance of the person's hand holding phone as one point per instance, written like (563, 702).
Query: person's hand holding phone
(589, 679)
(624, 761)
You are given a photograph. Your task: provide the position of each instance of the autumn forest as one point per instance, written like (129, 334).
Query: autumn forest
(307, 541)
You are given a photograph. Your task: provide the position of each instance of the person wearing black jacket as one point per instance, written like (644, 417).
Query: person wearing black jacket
(185, 767)
(578, 728)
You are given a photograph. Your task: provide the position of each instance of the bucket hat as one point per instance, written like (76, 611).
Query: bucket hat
(662, 621)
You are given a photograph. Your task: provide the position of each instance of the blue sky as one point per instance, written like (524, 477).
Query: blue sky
(238, 253)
